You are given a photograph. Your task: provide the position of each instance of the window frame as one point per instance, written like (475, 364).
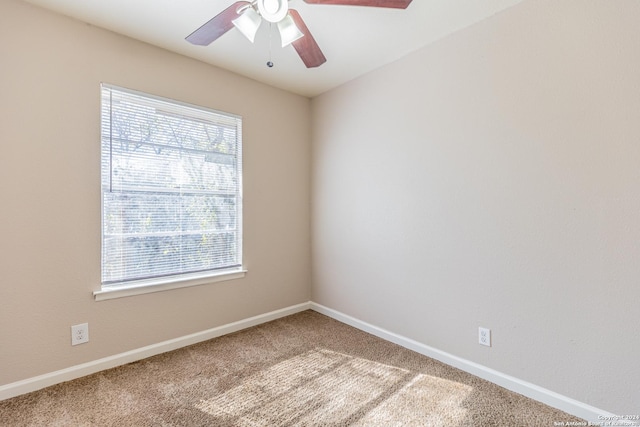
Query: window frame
(171, 281)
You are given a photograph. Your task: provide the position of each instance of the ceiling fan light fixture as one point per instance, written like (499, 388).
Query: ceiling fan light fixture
(248, 23)
(289, 31)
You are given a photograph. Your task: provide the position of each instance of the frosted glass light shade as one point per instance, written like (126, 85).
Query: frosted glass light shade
(248, 23)
(289, 31)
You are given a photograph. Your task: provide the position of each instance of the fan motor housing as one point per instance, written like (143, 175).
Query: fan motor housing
(273, 10)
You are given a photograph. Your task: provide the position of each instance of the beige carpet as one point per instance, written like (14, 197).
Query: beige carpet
(302, 370)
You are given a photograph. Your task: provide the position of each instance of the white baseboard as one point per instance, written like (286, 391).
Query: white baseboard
(548, 397)
(524, 388)
(36, 383)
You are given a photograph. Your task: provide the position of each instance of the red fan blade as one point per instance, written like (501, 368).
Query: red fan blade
(306, 46)
(396, 4)
(217, 26)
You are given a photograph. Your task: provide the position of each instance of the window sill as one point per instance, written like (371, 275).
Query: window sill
(159, 285)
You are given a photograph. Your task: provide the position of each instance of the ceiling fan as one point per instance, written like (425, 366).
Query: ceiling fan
(247, 16)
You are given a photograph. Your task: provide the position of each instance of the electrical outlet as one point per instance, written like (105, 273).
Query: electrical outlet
(484, 336)
(80, 334)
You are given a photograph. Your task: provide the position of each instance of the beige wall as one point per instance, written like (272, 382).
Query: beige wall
(50, 73)
(492, 179)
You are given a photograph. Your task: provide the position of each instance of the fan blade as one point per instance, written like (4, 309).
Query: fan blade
(306, 46)
(217, 26)
(396, 4)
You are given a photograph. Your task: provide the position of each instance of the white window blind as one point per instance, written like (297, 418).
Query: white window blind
(171, 188)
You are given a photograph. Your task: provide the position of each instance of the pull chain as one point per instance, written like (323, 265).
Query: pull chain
(269, 62)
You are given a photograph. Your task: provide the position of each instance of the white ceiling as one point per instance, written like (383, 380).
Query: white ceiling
(355, 40)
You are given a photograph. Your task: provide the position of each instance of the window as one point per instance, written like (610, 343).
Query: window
(171, 190)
